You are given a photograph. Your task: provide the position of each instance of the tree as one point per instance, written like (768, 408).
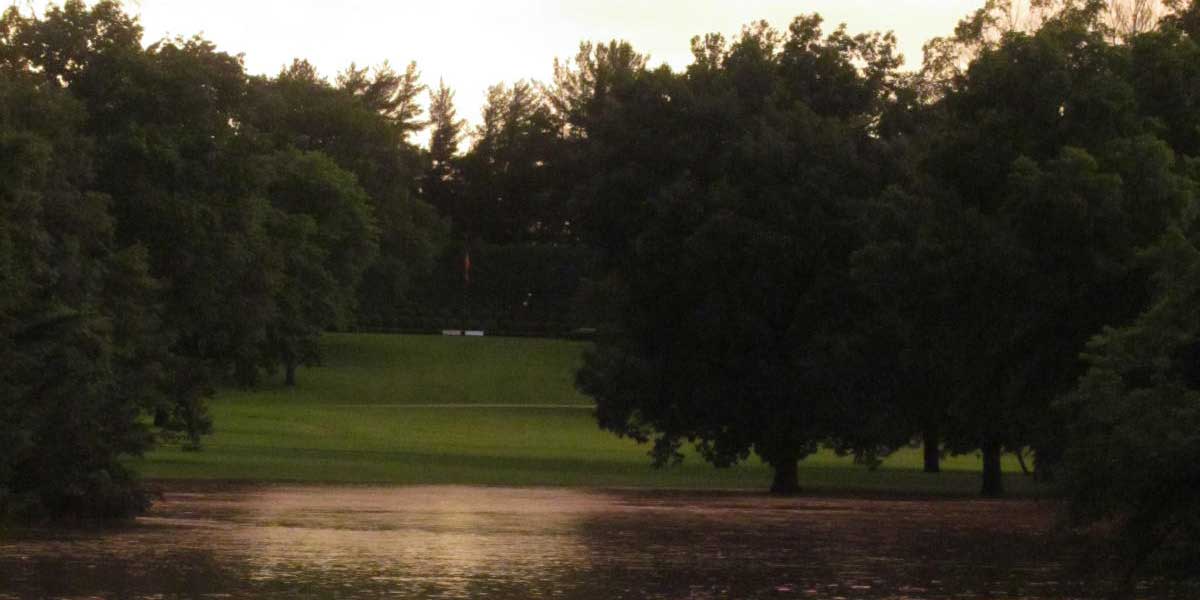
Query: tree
(1042, 185)
(909, 247)
(1164, 73)
(1131, 17)
(442, 183)
(157, 141)
(617, 113)
(362, 125)
(512, 170)
(389, 94)
(736, 310)
(82, 351)
(1185, 16)
(584, 87)
(1131, 463)
(326, 238)
(176, 164)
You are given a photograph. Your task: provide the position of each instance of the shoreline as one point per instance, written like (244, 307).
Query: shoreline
(159, 486)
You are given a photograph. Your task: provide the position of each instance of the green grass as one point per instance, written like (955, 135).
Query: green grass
(491, 411)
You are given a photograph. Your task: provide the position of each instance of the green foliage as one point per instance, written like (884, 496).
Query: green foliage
(80, 342)
(442, 182)
(512, 176)
(170, 225)
(617, 114)
(1165, 74)
(362, 124)
(1133, 461)
(1040, 179)
(736, 309)
(326, 238)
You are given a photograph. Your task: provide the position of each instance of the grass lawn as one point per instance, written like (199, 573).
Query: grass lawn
(502, 411)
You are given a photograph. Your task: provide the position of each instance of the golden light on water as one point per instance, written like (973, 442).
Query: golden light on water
(470, 542)
(453, 537)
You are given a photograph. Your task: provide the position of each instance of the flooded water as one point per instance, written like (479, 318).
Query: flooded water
(471, 542)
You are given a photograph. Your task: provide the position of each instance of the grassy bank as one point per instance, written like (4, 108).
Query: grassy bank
(425, 410)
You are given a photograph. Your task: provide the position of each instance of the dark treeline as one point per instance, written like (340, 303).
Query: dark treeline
(791, 243)
(806, 246)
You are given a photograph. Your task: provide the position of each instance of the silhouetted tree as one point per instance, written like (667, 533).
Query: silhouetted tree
(736, 320)
(442, 185)
(1132, 458)
(511, 172)
(1043, 185)
(83, 355)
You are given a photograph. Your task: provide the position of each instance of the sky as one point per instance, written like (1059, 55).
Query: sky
(471, 44)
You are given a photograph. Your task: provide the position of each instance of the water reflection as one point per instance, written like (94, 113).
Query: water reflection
(458, 542)
(470, 542)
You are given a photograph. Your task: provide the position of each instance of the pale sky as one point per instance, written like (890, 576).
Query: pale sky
(476, 43)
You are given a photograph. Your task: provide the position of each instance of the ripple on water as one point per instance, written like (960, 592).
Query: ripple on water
(472, 542)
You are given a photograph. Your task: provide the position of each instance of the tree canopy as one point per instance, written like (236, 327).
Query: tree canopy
(171, 225)
(736, 304)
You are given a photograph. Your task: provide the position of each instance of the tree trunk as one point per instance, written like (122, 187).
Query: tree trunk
(993, 484)
(161, 418)
(289, 372)
(933, 453)
(787, 476)
(1021, 461)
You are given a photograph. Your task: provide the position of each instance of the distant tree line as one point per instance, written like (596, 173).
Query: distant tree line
(791, 243)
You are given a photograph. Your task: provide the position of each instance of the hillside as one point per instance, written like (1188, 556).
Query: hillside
(491, 411)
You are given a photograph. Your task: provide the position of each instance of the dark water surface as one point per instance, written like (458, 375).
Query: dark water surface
(472, 542)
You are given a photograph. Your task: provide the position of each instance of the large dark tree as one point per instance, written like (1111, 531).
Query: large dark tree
(83, 356)
(165, 230)
(1131, 456)
(736, 315)
(1133, 460)
(1040, 182)
(178, 169)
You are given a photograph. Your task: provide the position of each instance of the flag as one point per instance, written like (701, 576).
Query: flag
(467, 267)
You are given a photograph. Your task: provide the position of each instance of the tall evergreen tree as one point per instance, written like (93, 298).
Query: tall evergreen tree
(511, 171)
(442, 185)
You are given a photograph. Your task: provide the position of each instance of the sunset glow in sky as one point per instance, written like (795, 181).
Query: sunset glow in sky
(476, 43)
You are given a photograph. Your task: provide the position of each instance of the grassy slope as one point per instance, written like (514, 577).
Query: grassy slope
(365, 416)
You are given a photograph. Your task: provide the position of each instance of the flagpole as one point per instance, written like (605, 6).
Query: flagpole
(466, 282)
